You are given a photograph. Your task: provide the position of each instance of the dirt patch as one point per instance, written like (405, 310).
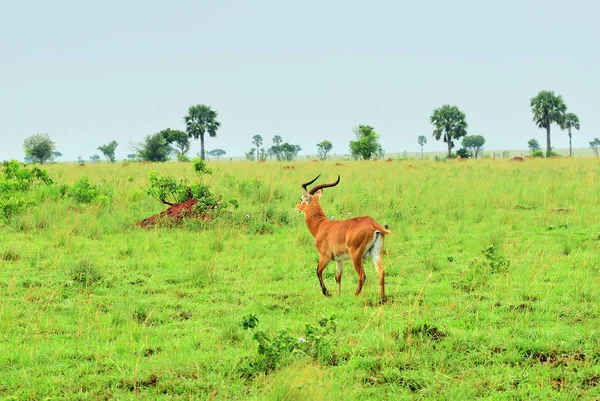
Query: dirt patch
(517, 159)
(288, 168)
(389, 159)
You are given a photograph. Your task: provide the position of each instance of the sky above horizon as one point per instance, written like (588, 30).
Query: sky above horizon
(89, 73)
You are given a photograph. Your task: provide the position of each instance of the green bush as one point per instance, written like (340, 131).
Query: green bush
(537, 153)
(85, 192)
(15, 181)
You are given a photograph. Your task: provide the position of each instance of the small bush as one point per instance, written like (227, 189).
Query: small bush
(281, 347)
(85, 192)
(537, 153)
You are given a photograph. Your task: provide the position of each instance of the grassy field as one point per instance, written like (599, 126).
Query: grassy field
(491, 274)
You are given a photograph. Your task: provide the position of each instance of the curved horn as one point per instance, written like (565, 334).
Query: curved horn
(333, 184)
(310, 182)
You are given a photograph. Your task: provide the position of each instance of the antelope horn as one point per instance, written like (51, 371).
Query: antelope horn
(321, 186)
(310, 182)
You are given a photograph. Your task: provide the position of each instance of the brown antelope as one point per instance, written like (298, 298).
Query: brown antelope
(355, 239)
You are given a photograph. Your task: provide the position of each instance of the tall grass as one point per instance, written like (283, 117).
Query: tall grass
(491, 270)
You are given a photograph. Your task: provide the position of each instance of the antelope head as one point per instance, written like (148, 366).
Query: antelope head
(309, 201)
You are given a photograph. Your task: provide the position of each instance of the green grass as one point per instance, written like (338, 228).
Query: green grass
(491, 273)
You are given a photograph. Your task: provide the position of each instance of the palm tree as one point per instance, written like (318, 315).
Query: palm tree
(201, 119)
(450, 125)
(422, 141)
(257, 140)
(548, 108)
(570, 121)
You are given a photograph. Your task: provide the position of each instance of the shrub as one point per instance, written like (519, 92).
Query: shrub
(85, 192)
(537, 153)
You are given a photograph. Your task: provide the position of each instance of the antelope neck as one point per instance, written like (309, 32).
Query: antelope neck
(314, 218)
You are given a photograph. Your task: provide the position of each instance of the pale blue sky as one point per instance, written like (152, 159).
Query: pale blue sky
(88, 73)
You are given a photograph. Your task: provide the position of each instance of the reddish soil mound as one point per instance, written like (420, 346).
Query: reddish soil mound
(81, 165)
(389, 159)
(124, 164)
(517, 159)
(288, 168)
(175, 212)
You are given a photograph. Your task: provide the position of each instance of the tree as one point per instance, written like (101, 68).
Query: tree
(250, 155)
(450, 125)
(422, 141)
(217, 153)
(289, 151)
(548, 108)
(108, 150)
(367, 142)
(56, 155)
(323, 148)
(39, 148)
(154, 148)
(131, 156)
(257, 140)
(595, 145)
(201, 119)
(95, 158)
(570, 121)
(277, 140)
(473, 144)
(178, 139)
(533, 145)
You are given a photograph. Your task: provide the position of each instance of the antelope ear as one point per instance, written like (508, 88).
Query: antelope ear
(318, 194)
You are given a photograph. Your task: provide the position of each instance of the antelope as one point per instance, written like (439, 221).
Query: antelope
(356, 239)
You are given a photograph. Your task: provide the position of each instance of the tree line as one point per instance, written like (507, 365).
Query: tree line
(449, 123)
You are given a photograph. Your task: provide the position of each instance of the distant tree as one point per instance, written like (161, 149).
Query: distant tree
(178, 139)
(422, 141)
(262, 154)
(251, 155)
(381, 152)
(323, 148)
(277, 140)
(366, 143)
(533, 145)
(80, 160)
(257, 140)
(449, 124)
(131, 156)
(39, 148)
(548, 108)
(289, 151)
(154, 148)
(201, 119)
(595, 145)
(56, 155)
(108, 150)
(570, 121)
(473, 144)
(94, 158)
(217, 153)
